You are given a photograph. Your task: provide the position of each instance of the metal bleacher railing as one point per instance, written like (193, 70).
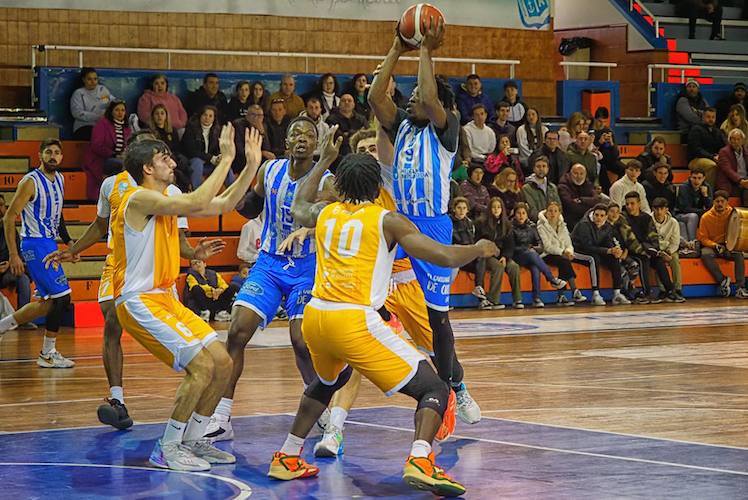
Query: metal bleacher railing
(586, 64)
(647, 12)
(683, 69)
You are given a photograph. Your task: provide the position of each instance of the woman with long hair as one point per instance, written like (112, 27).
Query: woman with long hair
(507, 187)
(735, 119)
(258, 95)
(105, 153)
(200, 145)
(358, 87)
(568, 133)
(239, 102)
(530, 135)
(162, 129)
(159, 94)
(327, 91)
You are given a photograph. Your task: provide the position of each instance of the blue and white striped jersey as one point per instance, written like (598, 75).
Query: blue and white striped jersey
(40, 218)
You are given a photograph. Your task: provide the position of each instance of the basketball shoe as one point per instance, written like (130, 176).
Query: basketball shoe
(204, 450)
(115, 414)
(331, 444)
(423, 474)
(287, 467)
(467, 409)
(448, 420)
(176, 456)
(53, 359)
(219, 429)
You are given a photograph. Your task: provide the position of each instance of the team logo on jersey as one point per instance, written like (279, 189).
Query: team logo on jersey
(122, 187)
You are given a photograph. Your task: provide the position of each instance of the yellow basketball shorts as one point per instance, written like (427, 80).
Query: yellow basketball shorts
(165, 327)
(409, 304)
(339, 334)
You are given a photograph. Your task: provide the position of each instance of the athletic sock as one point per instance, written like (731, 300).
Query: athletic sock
(224, 408)
(174, 431)
(196, 428)
(7, 323)
(338, 416)
(117, 393)
(48, 345)
(420, 448)
(293, 445)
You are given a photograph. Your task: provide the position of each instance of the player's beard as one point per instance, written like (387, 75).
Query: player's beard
(50, 166)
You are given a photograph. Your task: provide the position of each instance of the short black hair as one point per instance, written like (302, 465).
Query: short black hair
(549, 131)
(503, 104)
(633, 195)
(721, 193)
(711, 108)
(209, 75)
(600, 206)
(659, 202)
(358, 178)
(50, 141)
(444, 92)
(85, 71)
(479, 105)
(142, 135)
(472, 76)
(303, 118)
(141, 153)
(239, 85)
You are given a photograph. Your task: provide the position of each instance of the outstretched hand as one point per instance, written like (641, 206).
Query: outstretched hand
(253, 146)
(206, 248)
(297, 236)
(226, 142)
(331, 146)
(434, 36)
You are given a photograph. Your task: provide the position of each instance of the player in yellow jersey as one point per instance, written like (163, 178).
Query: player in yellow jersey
(146, 264)
(356, 242)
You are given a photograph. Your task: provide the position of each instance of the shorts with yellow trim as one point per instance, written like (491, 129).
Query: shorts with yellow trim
(339, 334)
(165, 327)
(408, 303)
(106, 287)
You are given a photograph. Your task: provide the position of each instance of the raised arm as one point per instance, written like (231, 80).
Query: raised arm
(382, 105)
(432, 40)
(24, 193)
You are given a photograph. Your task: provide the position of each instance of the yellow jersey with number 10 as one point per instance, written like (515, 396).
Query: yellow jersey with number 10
(353, 262)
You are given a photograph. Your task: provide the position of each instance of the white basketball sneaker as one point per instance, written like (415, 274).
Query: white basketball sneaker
(176, 456)
(53, 359)
(331, 444)
(219, 429)
(467, 409)
(202, 449)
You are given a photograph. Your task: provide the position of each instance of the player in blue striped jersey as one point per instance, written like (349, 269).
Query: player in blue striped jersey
(425, 137)
(38, 201)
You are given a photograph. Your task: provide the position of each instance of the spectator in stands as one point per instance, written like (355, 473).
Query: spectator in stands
(653, 155)
(594, 246)
(732, 174)
(712, 235)
(501, 125)
(660, 187)
(105, 153)
(704, 142)
(294, 103)
(209, 295)
(163, 131)
(397, 97)
(313, 111)
(506, 186)
(578, 195)
(240, 277)
(694, 199)
(567, 135)
(558, 161)
(601, 119)
(461, 160)
(259, 96)
(538, 191)
(469, 94)
(669, 238)
(624, 237)
(530, 135)
(200, 145)
(159, 94)
(358, 87)
(209, 94)
(275, 127)
(517, 107)
(735, 119)
(8, 279)
(579, 152)
(611, 166)
(255, 118)
(627, 183)
(689, 107)
(738, 96)
(527, 248)
(476, 193)
(250, 240)
(495, 226)
(239, 102)
(326, 90)
(558, 250)
(347, 120)
(505, 158)
(481, 139)
(88, 104)
(648, 253)
(711, 10)
(463, 233)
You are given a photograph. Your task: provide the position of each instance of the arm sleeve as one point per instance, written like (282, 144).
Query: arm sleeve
(63, 230)
(400, 115)
(449, 136)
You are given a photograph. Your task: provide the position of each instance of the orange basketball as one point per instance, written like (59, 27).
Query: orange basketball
(415, 22)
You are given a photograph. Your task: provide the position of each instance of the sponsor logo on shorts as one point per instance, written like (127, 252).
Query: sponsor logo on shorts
(252, 288)
(28, 255)
(61, 280)
(304, 297)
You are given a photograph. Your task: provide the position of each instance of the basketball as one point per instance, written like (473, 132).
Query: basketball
(415, 21)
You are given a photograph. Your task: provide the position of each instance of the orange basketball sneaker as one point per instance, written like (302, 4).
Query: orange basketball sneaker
(448, 420)
(287, 467)
(424, 474)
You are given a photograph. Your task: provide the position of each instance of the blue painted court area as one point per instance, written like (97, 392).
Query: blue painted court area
(494, 459)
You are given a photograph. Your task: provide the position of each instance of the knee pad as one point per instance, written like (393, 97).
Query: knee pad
(59, 306)
(435, 397)
(428, 389)
(322, 392)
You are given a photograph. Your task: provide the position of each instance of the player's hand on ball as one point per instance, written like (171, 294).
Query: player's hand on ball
(488, 248)
(434, 36)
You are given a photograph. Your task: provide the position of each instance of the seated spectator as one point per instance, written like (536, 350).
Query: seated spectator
(609, 159)
(517, 107)
(163, 131)
(475, 192)
(732, 175)
(250, 240)
(500, 125)
(601, 119)
(294, 103)
(358, 88)
(735, 119)
(209, 295)
(577, 194)
(313, 111)
(461, 160)
(105, 153)
(469, 95)
(200, 145)
(21, 283)
(159, 94)
(579, 152)
(481, 139)
(394, 93)
(240, 277)
(259, 96)
(530, 135)
(506, 187)
(347, 120)
(627, 183)
(326, 90)
(738, 96)
(653, 155)
(669, 237)
(567, 135)
(710, 10)
(595, 247)
(209, 94)
(495, 226)
(88, 104)
(538, 191)
(689, 107)
(505, 158)
(463, 233)
(694, 199)
(276, 126)
(527, 248)
(254, 118)
(558, 162)
(704, 142)
(660, 187)
(624, 237)
(239, 102)
(558, 250)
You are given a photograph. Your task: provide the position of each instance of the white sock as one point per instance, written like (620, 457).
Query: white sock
(338, 416)
(117, 393)
(196, 427)
(420, 448)
(595, 293)
(174, 431)
(293, 445)
(7, 323)
(48, 345)
(224, 408)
